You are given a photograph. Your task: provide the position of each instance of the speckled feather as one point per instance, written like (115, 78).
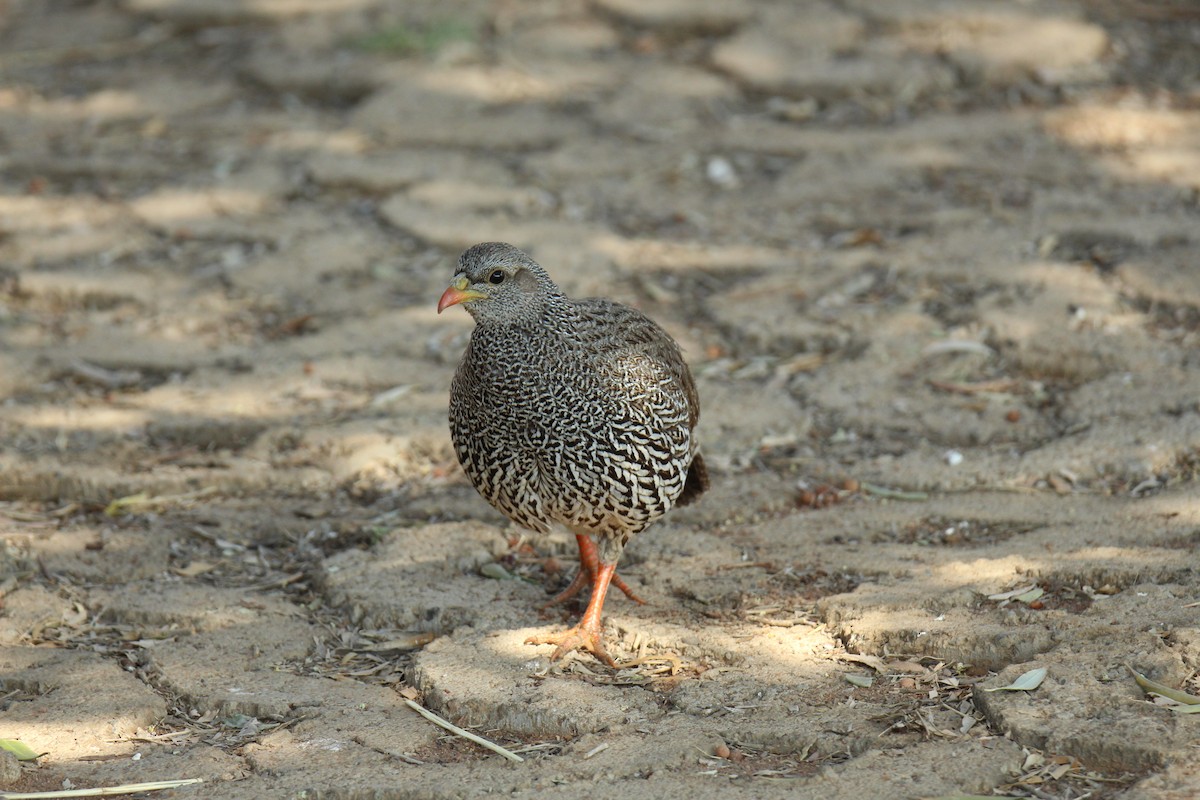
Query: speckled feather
(580, 412)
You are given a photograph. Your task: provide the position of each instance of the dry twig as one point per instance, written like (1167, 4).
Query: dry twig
(102, 791)
(479, 740)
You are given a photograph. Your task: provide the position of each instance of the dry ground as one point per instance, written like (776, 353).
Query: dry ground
(933, 261)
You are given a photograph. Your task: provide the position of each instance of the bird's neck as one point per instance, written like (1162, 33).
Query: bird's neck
(553, 316)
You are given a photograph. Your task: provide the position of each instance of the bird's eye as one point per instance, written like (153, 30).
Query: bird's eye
(497, 276)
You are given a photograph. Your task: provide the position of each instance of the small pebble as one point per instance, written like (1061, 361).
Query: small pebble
(538, 665)
(907, 683)
(722, 751)
(722, 173)
(953, 457)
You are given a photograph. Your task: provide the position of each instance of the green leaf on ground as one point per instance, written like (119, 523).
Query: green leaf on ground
(1155, 687)
(1184, 709)
(1031, 595)
(22, 751)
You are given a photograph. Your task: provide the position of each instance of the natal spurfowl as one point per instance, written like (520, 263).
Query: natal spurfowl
(576, 412)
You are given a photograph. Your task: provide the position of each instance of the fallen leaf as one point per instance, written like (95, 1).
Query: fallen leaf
(496, 571)
(874, 662)
(911, 667)
(195, 568)
(410, 641)
(1031, 595)
(1155, 687)
(118, 506)
(1014, 593)
(1026, 683)
(22, 751)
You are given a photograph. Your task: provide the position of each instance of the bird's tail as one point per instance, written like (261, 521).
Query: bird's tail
(696, 482)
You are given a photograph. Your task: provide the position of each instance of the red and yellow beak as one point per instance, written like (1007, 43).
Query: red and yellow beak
(457, 293)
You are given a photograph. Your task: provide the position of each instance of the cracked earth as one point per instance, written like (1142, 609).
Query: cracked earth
(934, 264)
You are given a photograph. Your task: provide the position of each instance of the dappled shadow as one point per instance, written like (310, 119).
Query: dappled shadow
(943, 250)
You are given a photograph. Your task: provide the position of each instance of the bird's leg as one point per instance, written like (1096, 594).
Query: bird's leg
(589, 565)
(587, 635)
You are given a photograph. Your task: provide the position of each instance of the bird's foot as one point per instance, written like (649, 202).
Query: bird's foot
(584, 578)
(589, 565)
(581, 637)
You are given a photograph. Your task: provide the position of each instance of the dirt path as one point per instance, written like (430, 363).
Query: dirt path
(934, 263)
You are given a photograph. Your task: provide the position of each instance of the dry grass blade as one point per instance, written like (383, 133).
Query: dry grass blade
(479, 740)
(894, 494)
(674, 663)
(102, 791)
(108, 378)
(958, 346)
(600, 748)
(142, 502)
(983, 387)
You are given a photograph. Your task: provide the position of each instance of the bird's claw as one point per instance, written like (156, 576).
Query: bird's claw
(577, 638)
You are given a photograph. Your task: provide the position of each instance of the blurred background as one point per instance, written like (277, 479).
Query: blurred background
(223, 222)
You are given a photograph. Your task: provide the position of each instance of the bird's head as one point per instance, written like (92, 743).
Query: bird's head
(496, 282)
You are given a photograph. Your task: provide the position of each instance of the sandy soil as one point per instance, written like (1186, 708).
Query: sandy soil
(934, 263)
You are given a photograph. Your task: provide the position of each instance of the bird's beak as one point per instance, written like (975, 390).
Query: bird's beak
(457, 293)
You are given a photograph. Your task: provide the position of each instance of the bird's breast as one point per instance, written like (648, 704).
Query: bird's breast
(593, 439)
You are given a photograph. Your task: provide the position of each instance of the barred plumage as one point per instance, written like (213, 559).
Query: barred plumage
(578, 412)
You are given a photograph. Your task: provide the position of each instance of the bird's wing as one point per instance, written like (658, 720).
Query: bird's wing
(618, 328)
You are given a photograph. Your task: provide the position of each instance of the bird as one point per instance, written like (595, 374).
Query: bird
(578, 413)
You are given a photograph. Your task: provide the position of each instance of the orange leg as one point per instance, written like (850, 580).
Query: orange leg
(587, 635)
(589, 566)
